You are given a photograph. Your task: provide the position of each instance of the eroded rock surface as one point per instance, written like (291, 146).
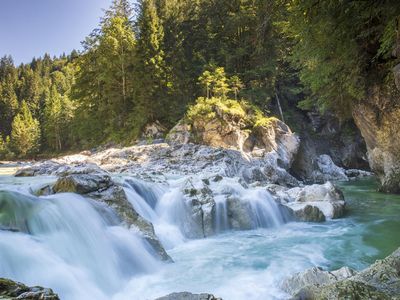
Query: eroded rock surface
(11, 290)
(314, 203)
(379, 281)
(377, 119)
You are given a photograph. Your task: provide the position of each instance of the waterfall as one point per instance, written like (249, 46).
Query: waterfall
(174, 219)
(65, 243)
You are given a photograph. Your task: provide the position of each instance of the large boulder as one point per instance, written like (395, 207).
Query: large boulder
(188, 296)
(377, 117)
(265, 141)
(315, 277)
(10, 290)
(101, 188)
(200, 206)
(314, 203)
(379, 281)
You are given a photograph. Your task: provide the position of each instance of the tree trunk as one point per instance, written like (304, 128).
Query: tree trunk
(279, 105)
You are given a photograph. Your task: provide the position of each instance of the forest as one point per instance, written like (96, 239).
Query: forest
(149, 61)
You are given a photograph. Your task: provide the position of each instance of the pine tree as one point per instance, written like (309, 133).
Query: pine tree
(152, 74)
(25, 134)
(53, 119)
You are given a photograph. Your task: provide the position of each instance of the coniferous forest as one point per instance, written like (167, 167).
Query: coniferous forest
(150, 60)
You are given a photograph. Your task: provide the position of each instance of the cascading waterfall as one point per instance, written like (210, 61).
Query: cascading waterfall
(44, 239)
(77, 247)
(64, 236)
(170, 211)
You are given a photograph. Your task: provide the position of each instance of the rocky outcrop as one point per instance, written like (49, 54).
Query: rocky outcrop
(327, 142)
(380, 281)
(234, 125)
(101, 188)
(188, 296)
(377, 118)
(11, 290)
(312, 203)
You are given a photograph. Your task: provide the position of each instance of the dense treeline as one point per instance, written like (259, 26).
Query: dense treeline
(150, 61)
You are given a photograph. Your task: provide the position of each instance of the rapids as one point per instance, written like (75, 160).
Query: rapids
(75, 246)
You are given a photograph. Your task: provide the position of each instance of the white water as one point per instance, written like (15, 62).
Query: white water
(72, 245)
(66, 244)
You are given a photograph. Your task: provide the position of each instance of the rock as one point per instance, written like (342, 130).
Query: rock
(82, 183)
(154, 131)
(101, 188)
(327, 170)
(239, 216)
(14, 290)
(312, 203)
(201, 209)
(350, 290)
(180, 133)
(315, 277)
(379, 281)
(308, 213)
(267, 144)
(355, 173)
(188, 296)
(25, 172)
(324, 134)
(377, 117)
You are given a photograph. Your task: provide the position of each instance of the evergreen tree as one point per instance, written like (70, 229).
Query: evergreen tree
(152, 74)
(25, 134)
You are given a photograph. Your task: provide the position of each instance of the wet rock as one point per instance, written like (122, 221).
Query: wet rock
(188, 296)
(200, 205)
(25, 172)
(82, 183)
(10, 290)
(379, 281)
(315, 202)
(315, 277)
(355, 173)
(308, 213)
(239, 214)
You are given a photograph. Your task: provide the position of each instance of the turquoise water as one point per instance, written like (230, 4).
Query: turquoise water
(253, 264)
(234, 265)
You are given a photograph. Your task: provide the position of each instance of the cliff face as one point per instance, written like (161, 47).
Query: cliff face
(378, 119)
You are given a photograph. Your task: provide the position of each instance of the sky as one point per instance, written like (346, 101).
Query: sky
(30, 28)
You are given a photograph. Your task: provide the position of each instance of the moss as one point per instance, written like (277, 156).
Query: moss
(209, 108)
(212, 108)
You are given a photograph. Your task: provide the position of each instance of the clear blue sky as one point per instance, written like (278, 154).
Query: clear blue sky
(30, 28)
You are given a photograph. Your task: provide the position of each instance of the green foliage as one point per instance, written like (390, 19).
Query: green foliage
(151, 64)
(207, 108)
(105, 86)
(339, 45)
(25, 134)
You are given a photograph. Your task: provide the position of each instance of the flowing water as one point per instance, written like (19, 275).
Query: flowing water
(76, 247)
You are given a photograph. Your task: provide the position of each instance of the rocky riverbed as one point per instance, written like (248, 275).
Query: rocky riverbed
(147, 203)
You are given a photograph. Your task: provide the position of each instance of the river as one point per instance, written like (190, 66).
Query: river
(67, 243)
